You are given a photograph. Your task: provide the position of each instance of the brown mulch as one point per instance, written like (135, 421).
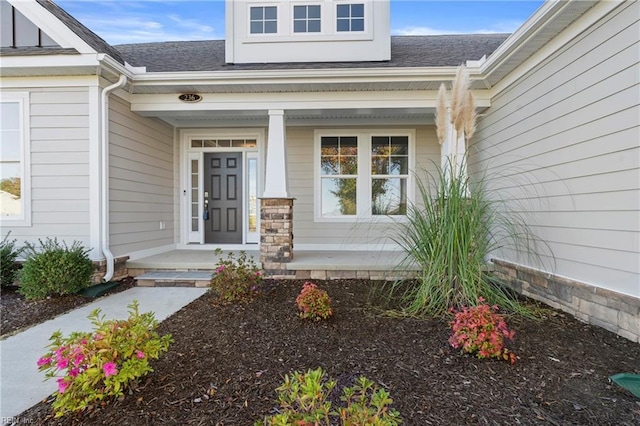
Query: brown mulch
(226, 362)
(18, 313)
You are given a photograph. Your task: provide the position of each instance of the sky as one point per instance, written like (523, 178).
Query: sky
(141, 21)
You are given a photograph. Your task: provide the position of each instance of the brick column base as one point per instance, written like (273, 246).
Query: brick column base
(276, 235)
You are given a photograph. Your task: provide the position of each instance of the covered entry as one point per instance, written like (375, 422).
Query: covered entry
(221, 182)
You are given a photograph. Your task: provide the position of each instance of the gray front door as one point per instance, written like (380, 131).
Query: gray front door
(223, 198)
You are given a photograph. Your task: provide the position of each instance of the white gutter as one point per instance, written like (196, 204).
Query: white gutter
(104, 177)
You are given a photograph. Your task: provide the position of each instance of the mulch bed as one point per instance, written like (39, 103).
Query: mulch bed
(226, 362)
(18, 313)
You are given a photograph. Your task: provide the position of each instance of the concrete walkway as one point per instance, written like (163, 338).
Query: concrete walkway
(21, 384)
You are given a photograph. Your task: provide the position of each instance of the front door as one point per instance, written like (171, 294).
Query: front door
(223, 198)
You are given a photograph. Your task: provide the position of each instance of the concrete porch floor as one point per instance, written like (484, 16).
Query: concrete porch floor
(307, 264)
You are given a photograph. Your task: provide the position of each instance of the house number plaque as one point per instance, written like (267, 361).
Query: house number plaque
(190, 97)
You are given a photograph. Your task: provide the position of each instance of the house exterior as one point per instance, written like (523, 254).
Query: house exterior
(310, 120)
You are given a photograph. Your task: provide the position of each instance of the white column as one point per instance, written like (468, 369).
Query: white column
(452, 153)
(275, 183)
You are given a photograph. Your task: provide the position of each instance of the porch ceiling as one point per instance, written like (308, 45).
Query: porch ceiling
(217, 86)
(253, 118)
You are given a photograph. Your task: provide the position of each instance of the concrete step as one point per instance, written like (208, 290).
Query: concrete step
(172, 278)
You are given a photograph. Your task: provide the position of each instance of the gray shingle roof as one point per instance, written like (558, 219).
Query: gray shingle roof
(88, 36)
(406, 51)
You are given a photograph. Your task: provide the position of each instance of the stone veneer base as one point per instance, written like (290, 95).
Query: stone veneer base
(616, 312)
(100, 269)
(276, 235)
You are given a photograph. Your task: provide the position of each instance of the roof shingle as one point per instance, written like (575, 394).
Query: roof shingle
(88, 36)
(406, 52)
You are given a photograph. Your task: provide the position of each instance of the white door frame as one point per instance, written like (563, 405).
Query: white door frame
(195, 239)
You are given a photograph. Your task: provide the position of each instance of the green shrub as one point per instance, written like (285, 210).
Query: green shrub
(103, 363)
(303, 398)
(8, 255)
(235, 279)
(449, 236)
(55, 269)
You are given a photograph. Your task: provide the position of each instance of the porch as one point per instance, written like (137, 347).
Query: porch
(194, 267)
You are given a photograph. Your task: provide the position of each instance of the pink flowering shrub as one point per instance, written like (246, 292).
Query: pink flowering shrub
(236, 279)
(314, 303)
(99, 365)
(481, 331)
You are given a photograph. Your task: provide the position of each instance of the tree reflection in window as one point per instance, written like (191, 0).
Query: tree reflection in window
(338, 171)
(389, 174)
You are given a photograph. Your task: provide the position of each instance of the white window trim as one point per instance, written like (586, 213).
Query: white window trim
(306, 33)
(22, 98)
(368, 16)
(364, 174)
(278, 20)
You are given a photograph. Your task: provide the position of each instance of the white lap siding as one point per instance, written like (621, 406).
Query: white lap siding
(562, 145)
(140, 180)
(59, 120)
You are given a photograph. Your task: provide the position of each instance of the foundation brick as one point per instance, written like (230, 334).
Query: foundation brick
(303, 275)
(627, 335)
(341, 275)
(629, 322)
(318, 275)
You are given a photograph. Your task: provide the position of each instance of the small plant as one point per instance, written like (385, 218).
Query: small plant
(314, 303)
(235, 279)
(55, 269)
(480, 330)
(8, 255)
(303, 398)
(101, 364)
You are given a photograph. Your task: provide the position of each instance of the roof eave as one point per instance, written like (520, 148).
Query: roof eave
(538, 30)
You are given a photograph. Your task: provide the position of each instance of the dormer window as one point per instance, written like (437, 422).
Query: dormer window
(350, 17)
(306, 19)
(264, 19)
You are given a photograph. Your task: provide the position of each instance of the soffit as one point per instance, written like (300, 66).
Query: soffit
(315, 117)
(223, 87)
(530, 40)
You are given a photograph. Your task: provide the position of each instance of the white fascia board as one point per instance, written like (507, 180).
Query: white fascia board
(47, 82)
(592, 16)
(346, 75)
(51, 25)
(528, 29)
(50, 61)
(297, 101)
(536, 24)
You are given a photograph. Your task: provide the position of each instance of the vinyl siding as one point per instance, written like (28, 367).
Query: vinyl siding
(59, 127)
(300, 168)
(140, 179)
(562, 146)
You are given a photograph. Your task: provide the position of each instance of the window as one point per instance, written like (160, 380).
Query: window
(338, 175)
(389, 175)
(350, 17)
(14, 167)
(263, 20)
(363, 175)
(306, 19)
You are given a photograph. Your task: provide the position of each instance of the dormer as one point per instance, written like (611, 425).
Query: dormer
(270, 31)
